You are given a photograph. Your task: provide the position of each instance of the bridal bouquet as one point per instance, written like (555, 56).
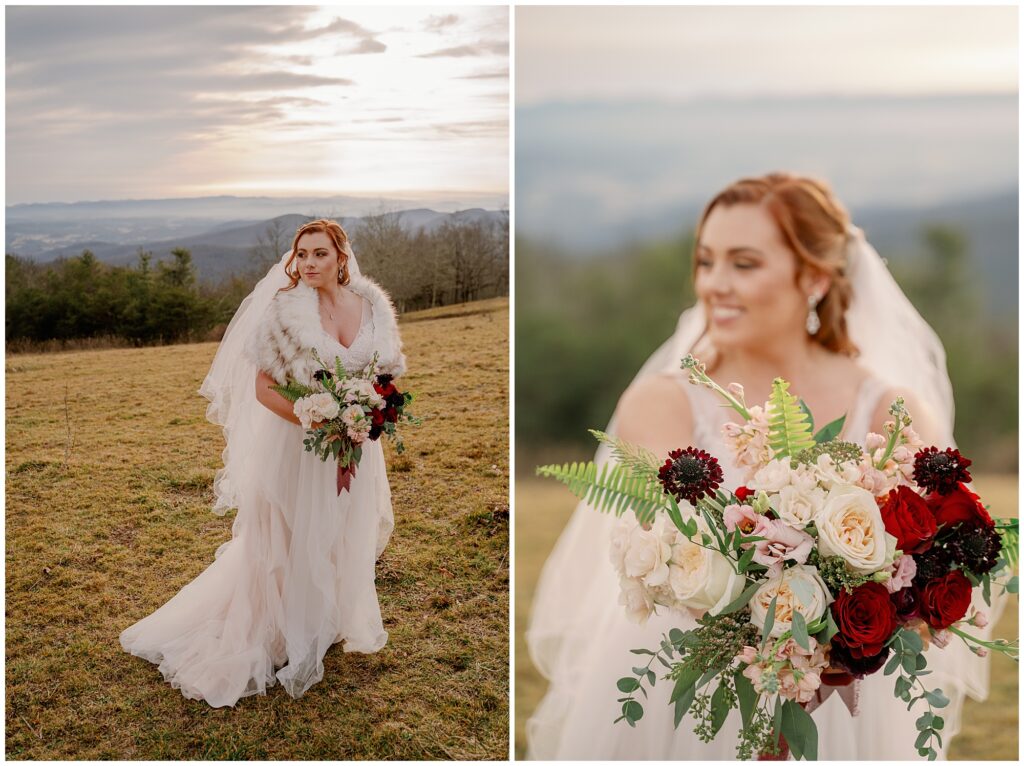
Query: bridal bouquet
(831, 563)
(349, 409)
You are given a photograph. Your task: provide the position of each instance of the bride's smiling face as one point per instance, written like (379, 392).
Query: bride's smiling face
(746, 279)
(316, 258)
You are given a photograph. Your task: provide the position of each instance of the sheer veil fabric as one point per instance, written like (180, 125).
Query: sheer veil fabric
(578, 635)
(297, 574)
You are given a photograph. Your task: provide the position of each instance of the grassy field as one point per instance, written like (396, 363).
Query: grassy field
(989, 729)
(108, 516)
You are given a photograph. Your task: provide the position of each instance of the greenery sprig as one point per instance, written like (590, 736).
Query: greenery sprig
(908, 658)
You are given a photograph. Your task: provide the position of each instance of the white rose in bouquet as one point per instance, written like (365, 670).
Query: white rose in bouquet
(647, 553)
(315, 407)
(797, 506)
(850, 526)
(831, 474)
(702, 579)
(362, 389)
(798, 588)
(638, 602)
(773, 477)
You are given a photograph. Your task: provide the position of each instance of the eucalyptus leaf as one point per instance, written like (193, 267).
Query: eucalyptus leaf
(746, 696)
(746, 558)
(719, 709)
(627, 685)
(741, 600)
(802, 590)
(800, 732)
(769, 621)
(682, 705)
(799, 628)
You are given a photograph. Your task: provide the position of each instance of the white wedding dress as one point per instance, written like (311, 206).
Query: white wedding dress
(297, 574)
(584, 655)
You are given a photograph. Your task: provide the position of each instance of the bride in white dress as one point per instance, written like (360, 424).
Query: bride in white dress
(786, 287)
(298, 573)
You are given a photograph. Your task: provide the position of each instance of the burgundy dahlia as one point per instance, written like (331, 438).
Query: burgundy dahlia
(976, 549)
(905, 601)
(690, 474)
(940, 471)
(934, 562)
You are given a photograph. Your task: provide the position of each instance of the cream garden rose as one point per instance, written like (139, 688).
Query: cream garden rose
(775, 475)
(797, 506)
(702, 579)
(647, 554)
(850, 526)
(636, 599)
(799, 588)
(315, 407)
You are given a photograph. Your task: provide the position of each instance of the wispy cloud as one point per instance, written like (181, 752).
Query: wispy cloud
(136, 101)
(439, 23)
(485, 48)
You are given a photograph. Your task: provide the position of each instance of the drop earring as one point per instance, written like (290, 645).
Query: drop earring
(813, 323)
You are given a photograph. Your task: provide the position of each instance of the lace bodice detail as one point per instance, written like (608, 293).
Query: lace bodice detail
(709, 416)
(359, 354)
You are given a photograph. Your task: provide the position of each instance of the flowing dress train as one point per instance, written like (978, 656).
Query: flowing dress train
(296, 576)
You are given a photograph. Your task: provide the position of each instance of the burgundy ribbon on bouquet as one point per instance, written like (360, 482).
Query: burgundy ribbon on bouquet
(345, 474)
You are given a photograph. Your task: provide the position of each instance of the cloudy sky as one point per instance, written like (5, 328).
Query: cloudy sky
(610, 53)
(147, 102)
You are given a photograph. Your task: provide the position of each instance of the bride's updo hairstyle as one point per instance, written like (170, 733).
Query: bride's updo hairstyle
(338, 236)
(813, 225)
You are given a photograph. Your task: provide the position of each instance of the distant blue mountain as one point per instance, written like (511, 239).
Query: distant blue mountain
(602, 174)
(217, 248)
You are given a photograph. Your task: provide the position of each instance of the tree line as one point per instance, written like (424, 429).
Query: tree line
(78, 300)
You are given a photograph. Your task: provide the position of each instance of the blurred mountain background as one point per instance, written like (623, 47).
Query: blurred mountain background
(608, 194)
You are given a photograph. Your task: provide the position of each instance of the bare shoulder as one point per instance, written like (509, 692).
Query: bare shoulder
(925, 421)
(655, 413)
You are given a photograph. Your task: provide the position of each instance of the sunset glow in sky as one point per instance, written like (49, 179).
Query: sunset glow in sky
(146, 102)
(616, 53)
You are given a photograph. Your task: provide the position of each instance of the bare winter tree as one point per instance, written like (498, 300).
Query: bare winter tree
(269, 246)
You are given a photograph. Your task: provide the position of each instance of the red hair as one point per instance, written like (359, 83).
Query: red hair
(813, 224)
(338, 236)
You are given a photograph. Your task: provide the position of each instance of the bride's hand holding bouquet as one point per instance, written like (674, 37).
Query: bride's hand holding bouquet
(343, 409)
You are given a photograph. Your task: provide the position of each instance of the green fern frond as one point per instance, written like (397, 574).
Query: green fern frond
(293, 390)
(611, 489)
(640, 461)
(789, 427)
(1009, 534)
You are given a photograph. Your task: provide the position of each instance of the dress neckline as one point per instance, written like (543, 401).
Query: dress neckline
(858, 416)
(363, 305)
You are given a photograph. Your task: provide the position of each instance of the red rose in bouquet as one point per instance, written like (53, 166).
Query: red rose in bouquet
(908, 518)
(743, 493)
(959, 506)
(944, 600)
(865, 618)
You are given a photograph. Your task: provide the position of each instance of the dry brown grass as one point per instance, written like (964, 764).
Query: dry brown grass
(98, 543)
(542, 509)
